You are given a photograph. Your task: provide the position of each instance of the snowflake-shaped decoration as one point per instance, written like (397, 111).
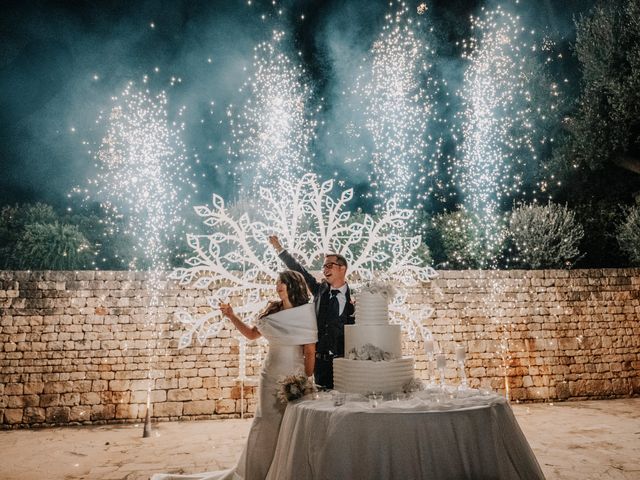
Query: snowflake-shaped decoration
(238, 258)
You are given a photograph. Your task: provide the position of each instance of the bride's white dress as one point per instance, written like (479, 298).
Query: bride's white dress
(286, 331)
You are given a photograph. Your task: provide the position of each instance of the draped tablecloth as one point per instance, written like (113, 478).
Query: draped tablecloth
(425, 437)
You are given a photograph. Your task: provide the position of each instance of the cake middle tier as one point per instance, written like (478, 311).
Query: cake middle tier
(365, 376)
(386, 337)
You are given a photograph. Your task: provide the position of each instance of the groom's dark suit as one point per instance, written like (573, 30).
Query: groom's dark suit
(330, 320)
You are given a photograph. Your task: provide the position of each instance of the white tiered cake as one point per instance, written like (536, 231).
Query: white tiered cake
(372, 332)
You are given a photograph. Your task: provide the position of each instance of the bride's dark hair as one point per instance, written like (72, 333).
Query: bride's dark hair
(296, 291)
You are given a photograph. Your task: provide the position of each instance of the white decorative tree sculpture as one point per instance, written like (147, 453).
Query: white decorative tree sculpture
(237, 257)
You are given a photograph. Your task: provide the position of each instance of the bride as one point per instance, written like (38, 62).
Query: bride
(289, 325)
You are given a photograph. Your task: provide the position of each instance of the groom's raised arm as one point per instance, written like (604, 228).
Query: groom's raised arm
(293, 264)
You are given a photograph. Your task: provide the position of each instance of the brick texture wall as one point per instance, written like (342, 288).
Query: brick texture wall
(82, 347)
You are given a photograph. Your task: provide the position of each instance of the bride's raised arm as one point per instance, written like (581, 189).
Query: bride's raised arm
(250, 332)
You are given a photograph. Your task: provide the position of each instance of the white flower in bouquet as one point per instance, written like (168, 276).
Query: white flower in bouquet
(293, 387)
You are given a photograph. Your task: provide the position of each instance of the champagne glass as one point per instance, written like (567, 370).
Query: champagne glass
(429, 349)
(441, 364)
(461, 355)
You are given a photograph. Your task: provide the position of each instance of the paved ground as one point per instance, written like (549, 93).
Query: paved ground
(572, 440)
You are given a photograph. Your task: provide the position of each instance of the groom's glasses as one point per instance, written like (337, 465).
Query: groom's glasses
(330, 265)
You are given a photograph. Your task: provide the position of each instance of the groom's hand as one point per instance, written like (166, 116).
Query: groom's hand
(226, 309)
(275, 243)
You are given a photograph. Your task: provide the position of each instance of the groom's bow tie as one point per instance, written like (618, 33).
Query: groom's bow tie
(335, 292)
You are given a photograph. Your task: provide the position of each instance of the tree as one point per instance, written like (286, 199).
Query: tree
(546, 236)
(628, 234)
(13, 221)
(52, 247)
(605, 128)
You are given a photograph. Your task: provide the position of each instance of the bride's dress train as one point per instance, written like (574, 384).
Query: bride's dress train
(286, 331)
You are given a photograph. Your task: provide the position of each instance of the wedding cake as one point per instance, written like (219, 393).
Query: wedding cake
(373, 348)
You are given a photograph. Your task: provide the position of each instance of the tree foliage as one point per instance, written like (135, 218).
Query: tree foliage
(605, 127)
(546, 236)
(628, 234)
(464, 241)
(52, 246)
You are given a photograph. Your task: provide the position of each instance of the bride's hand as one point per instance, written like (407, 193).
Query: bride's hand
(226, 309)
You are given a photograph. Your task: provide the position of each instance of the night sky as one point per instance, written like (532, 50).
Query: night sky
(60, 63)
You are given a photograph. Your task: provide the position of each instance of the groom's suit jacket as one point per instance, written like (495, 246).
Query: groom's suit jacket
(330, 328)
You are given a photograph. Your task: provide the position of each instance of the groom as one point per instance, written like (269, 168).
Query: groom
(334, 309)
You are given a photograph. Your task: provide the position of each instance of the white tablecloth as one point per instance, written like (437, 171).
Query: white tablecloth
(476, 437)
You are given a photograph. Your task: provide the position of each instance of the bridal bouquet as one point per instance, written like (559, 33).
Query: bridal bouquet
(293, 387)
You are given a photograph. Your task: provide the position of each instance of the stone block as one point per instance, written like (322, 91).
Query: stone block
(126, 411)
(70, 399)
(179, 395)
(13, 416)
(57, 414)
(199, 394)
(90, 398)
(50, 400)
(200, 407)
(58, 387)
(34, 415)
(119, 385)
(167, 409)
(225, 406)
(103, 412)
(80, 413)
(13, 389)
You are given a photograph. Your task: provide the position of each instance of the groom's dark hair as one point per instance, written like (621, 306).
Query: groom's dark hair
(340, 260)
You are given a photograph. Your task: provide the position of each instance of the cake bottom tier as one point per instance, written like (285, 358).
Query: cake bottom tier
(366, 376)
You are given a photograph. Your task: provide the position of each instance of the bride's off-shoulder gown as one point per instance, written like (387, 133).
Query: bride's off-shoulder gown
(286, 331)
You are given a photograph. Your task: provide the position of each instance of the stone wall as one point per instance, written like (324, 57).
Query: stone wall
(81, 347)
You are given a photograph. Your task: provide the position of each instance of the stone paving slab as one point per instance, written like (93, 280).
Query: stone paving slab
(572, 440)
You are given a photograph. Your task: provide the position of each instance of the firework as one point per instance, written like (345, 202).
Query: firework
(398, 95)
(497, 125)
(143, 176)
(273, 130)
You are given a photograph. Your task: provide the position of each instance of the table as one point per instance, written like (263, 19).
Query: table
(429, 436)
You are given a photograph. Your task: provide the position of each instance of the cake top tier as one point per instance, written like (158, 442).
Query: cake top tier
(372, 306)
(384, 289)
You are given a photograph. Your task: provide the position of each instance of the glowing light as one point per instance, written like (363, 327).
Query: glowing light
(273, 129)
(143, 175)
(497, 126)
(398, 95)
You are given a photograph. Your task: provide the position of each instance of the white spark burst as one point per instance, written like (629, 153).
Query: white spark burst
(273, 131)
(143, 175)
(399, 95)
(310, 222)
(497, 125)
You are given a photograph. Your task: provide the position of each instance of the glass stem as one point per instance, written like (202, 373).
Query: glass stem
(463, 376)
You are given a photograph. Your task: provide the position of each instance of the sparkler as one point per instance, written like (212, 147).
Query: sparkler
(141, 174)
